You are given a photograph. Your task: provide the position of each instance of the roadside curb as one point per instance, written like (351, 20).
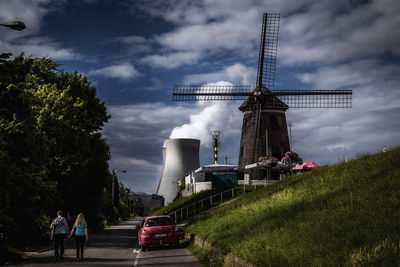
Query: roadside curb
(33, 251)
(28, 254)
(44, 249)
(227, 259)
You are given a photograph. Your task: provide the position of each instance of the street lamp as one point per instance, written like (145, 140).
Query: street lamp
(15, 25)
(290, 136)
(113, 182)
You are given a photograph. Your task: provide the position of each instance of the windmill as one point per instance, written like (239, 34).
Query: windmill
(264, 129)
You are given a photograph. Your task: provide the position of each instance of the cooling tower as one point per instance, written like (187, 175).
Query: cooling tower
(179, 157)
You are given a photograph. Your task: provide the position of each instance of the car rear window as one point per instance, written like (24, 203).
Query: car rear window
(158, 222)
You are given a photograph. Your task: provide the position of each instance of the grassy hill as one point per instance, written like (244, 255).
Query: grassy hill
(347, 214)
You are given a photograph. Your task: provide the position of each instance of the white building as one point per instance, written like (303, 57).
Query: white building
(210, 177)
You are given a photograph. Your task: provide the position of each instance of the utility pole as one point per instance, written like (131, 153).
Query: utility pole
(112, 188)
(216, 145)
(290, 136)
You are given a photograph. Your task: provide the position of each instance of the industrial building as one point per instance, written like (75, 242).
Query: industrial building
(180, 156)
(210, 177)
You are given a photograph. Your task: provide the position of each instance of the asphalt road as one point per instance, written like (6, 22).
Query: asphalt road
(115, 246)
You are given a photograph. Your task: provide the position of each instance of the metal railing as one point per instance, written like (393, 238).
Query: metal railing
(195, 208)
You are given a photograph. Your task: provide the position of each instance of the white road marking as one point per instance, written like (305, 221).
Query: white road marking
(134, 256)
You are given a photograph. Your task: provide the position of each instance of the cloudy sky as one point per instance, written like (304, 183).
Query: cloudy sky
(134, 51)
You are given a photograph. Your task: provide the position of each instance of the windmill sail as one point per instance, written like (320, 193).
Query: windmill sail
(270, 98)
(315, 98)
(210, 92)
(268, 50)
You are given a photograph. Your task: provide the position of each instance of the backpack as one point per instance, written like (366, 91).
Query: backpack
(57, 222)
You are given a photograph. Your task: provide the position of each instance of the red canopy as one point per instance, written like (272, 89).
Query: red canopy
(307, 165)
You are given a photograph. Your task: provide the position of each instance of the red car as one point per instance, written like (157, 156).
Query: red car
(157, 230)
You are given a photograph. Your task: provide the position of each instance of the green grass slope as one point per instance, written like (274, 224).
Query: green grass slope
(347, 214)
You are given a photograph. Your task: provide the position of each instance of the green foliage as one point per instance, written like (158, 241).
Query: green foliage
(181, 184)
(52, 155)
(347, 214)
(25, 187)
(123, 211)
(181, 187)
(292, 157)
(268, 161)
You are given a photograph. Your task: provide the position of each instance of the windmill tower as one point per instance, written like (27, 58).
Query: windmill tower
(264, 129)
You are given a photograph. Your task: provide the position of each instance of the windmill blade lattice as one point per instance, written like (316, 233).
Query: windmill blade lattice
(268, 50)
(282, 99)
(313, 98)
(210, 92)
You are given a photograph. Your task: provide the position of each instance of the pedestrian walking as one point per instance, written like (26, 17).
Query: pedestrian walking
(80, 234)
(59, 231)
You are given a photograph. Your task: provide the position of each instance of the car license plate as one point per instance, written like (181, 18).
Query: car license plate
(160, 235)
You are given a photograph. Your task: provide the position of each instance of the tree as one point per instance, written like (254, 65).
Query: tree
(71, 117)
(25, 188)
(52, 154)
